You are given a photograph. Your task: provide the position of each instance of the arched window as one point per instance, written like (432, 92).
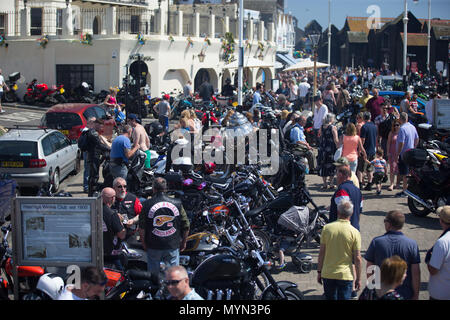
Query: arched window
(96, 25)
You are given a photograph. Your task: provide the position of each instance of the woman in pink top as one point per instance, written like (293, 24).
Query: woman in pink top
(111, 100)
(352, 146)
(391, 150)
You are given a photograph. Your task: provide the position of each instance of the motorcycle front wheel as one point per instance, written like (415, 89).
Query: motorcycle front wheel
(417, 209)
(291, 293)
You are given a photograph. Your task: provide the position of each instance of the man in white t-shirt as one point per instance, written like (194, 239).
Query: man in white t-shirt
(320, 111)
(303, 89)
(2, 85)
(438, 260)
(92, 284)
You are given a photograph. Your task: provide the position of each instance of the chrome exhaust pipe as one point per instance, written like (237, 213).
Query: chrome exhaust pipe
(210, 295)
(219, 294)
(418, 199)
(229, 293)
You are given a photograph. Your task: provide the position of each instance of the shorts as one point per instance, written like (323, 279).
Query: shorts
(363, 165)
(403, 168)
(378, 177)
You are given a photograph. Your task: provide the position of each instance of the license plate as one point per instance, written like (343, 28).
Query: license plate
(12, 164)
(64, 132)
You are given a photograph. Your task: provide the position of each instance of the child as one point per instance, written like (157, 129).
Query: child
(380, 168)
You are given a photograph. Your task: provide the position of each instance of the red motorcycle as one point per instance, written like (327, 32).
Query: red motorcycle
(28, 275)
(40, 93)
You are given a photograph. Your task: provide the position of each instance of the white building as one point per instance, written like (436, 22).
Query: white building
(186, 44)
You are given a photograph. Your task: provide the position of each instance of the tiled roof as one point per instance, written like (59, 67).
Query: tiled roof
(416, 39)
(441, 31)
(359, 24)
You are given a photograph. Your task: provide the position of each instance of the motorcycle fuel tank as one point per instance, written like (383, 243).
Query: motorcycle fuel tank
(217, 268)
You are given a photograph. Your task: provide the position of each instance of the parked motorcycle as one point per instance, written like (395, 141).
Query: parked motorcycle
(11, 82)
(429, 181)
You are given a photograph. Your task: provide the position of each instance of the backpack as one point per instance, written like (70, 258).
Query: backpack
(83, 141)
(385, 127)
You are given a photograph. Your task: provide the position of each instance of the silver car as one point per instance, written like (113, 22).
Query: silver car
(37, 156)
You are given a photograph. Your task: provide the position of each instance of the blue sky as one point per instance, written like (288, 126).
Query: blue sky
(306, 10)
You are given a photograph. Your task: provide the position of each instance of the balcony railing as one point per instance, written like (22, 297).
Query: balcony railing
(130, 2)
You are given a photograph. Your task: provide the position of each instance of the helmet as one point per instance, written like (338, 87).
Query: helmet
(303, 262)
(51, 284)
(209, 167)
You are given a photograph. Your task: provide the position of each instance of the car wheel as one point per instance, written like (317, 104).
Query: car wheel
(77, 167)
(55, 181)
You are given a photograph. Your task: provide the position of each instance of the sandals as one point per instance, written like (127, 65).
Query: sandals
(391, 188)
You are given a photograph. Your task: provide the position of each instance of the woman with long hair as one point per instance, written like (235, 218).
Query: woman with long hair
(352, 146)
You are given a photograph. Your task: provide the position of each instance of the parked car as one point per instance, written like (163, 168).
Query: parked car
(71, 118)
(397, 96)
(33, 157)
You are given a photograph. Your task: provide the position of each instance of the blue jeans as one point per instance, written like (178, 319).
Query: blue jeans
(337, 289)
(119, 171)
(86, 171)
(154, 257)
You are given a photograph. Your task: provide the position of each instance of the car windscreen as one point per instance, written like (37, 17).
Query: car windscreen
(61, 120)
(17, 153)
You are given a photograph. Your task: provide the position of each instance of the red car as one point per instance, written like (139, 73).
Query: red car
(71, 118)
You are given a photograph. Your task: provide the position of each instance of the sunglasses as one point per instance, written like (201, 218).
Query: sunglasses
(172, 282)
(396, 125)
(120, 186)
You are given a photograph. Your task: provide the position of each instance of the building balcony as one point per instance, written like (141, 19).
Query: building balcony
(119, 2)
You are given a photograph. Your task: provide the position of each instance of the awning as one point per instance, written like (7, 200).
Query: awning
(305, 65)
(278, 65)
(285, 59)
(249, 62)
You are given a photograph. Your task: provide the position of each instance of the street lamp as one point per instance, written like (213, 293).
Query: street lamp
(314, 38)
(329, 33)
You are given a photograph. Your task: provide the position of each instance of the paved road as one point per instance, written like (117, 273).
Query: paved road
(424, 230)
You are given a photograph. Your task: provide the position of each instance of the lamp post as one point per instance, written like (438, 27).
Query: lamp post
(314, 41)
(329, 33)
(241, 51)
(405, 42)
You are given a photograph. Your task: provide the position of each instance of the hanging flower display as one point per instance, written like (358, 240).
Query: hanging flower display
(248, 45)
(141, 38)
(300, 54)
(208, 42)
(3, 41)
(43, 41)
(86, 39)
(190, 42)
(228, 47)
(261, 46)
(171, 39)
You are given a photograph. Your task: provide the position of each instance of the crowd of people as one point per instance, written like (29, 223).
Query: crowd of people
(367, 155)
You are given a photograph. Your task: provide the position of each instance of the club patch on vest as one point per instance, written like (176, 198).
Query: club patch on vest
(160, 221)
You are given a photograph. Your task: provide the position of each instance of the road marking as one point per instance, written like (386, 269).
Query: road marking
(25, 116)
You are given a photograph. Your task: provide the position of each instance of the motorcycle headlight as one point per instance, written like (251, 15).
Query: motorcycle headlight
(15, 87)
(61, 90)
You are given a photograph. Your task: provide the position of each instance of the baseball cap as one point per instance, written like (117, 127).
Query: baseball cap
(342, 161)
(132, 116)
(444, 213)
(166, 97)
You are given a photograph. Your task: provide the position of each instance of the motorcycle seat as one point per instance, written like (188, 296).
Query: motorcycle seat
(217, 180)
(140, 275)
(254, 212)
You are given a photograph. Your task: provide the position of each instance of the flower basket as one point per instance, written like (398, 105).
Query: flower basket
(171, 39)
(141, 39)
(208, 42)
(86, 39)
(3, 41)
(43, 41)
(190, 42)
(228, 47)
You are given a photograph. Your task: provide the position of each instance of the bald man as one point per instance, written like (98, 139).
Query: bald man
(113, 230)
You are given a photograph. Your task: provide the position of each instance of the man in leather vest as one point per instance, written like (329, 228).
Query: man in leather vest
(163, 228)
(127, 204)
